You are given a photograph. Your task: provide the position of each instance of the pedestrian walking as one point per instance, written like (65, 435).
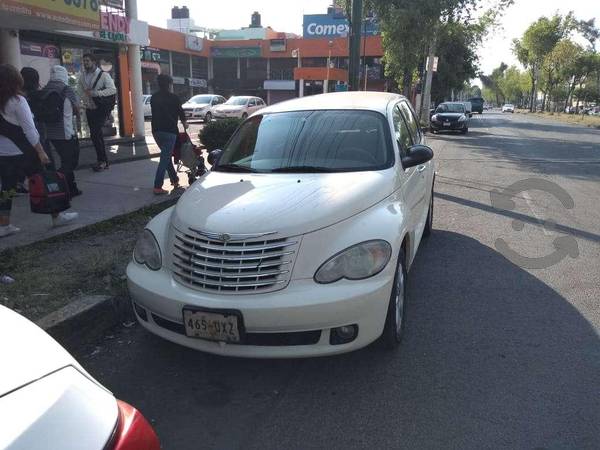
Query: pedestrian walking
(19, 147)
(62, 133)
(98, 92)
(166, 111)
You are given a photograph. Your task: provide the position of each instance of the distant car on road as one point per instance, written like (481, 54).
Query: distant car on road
(298, 242)
(48, 401)
(147, 107)
(477, 104)
(238, 107)
(508, 107)
(450, 116)
(202, 106)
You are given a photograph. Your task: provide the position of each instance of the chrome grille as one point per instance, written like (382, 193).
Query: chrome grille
(208, 264)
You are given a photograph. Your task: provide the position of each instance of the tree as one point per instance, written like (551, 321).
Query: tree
(537, 42)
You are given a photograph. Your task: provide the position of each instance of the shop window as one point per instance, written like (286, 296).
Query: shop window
(181, 65)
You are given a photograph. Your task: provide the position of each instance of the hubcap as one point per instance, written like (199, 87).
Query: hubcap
(399, 300)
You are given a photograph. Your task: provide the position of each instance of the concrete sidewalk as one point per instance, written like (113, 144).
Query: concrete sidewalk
(122, 189)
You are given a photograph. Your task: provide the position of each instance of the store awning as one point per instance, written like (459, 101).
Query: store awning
(320, 73)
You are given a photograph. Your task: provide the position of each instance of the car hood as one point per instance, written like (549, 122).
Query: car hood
(289, 204)
(27, 352)
(194, 105)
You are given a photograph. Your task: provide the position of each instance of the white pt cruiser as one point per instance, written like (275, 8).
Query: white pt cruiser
(298, 242)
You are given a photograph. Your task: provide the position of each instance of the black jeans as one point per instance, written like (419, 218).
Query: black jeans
(9, 174)
(68, 151)
(95, 120)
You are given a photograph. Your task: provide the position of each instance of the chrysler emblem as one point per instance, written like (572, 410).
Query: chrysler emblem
(225, 237)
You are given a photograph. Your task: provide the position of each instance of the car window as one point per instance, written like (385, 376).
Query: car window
(252, 102)
(402, 132)
(317, 141)
(411, 121)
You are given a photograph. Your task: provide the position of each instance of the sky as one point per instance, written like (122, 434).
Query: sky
(286, 16)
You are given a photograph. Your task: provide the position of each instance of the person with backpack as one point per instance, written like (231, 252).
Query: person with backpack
(19, 139)
(61, 107)
(98, 93)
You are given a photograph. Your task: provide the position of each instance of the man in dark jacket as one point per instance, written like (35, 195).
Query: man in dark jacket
(166, 111)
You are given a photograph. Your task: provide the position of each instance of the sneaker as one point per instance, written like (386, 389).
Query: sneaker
(7, 230)
(76, 193)
(160, 191)
(100, 167)
(64, 218)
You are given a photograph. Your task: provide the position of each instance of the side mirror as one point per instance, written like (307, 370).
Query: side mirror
(214, 156)
(417, 155)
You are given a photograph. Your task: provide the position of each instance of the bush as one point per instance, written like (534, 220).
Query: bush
(215, 135)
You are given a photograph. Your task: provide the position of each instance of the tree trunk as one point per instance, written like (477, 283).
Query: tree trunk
(407, 82)
(533, 90)
(544, 101)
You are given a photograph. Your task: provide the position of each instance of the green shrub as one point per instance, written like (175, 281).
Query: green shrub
(215, 134)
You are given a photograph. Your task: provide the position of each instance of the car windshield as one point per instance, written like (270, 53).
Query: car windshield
(200, 99)
(450, 108)
(310, 142)
(238, 101)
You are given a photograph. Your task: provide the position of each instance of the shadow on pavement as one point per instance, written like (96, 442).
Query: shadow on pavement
(492, 358)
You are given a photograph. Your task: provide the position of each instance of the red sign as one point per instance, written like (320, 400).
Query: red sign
(114, 23)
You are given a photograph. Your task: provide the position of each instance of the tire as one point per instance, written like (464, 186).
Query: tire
(432, 130)
(208, 117)
(396, 313)
(244, 116)
(464, 131)
(429, 221)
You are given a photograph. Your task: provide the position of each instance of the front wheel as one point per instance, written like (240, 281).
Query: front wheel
(244, 116)
(208, 117)
(394, 322)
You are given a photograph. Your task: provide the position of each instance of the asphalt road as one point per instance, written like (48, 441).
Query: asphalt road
(496, 354)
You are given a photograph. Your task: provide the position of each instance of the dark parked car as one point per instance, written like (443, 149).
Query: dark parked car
(477, 103)
(450, 116)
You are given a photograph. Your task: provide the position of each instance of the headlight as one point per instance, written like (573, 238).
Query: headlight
(355, 263)
(462, 118)
(147, 251)
(434, 117)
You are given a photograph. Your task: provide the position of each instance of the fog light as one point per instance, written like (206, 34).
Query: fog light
(141, 312)
(343, 335)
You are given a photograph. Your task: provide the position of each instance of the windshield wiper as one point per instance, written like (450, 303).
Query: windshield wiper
(233, 168)
(303, 169)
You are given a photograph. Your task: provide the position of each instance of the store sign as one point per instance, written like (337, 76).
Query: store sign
(82, 14)
(235, 52)
(330, 26)
(151, 66)
(178, 80)
(150, 54)
(196, 82)
(41, 50)
(194, 43)
(278, 45)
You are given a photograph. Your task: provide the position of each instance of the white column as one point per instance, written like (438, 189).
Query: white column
(301, 90)
(268, 68)
(10, 48)
(325, 86)
(135, 78)
(239, 69)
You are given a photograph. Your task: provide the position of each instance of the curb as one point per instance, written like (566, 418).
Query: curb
(85, 320)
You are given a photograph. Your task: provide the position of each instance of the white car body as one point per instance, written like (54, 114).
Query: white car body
(147, 106)
(199, 106)
(246, 107)
(508, 108)
(313, 216)
(47, 400)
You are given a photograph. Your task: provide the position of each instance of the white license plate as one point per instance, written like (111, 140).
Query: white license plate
(446, 124)
(212, 326)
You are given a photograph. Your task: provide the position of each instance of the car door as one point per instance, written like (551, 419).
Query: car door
(410, 178)
(424, 172)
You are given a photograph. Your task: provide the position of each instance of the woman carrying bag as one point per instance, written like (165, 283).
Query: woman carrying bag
(19, 145)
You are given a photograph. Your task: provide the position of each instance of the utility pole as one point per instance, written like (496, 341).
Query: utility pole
(429, 80)
(354, 45)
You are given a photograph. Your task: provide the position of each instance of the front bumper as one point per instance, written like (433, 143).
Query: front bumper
(228, 115)
(454, 126)
(302, 307)
(194, 115)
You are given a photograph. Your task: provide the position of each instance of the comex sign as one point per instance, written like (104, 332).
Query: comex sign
(324, 25)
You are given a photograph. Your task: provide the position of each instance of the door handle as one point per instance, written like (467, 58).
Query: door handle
(421, 169)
